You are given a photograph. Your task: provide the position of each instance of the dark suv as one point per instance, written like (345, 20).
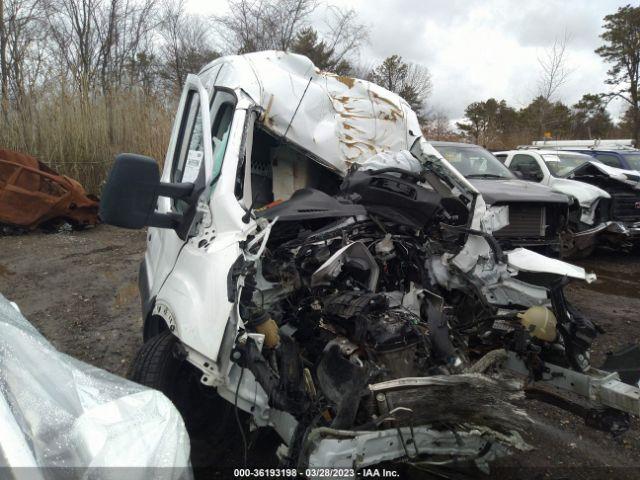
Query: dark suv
(626, 159)
(537, 214)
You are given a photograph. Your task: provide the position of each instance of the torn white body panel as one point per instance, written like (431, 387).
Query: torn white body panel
(594, 389)
(341, 120)
(496, 279)
(402, 159)
(528, 261)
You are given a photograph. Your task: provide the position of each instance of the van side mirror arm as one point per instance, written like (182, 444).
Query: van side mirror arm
(165, 220)
(177, 191)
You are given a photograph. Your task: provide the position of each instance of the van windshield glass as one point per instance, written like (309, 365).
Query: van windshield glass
(474, 162)
(560, 164)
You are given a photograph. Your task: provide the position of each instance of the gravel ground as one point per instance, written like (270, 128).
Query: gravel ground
(80, 291)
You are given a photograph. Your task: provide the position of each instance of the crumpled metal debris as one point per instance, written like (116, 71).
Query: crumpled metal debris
(34, 195)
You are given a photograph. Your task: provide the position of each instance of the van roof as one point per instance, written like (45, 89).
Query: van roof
(341, 120)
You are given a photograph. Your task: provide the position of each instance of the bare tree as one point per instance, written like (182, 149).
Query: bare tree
(553, 68)
(74, 29)
(96, 40)
(438, 125)
(253, 25)
(409, 80)
(344, 34)
(20, 30)
(554, 73)
(127, 31)
(186, 44)
(4, 74)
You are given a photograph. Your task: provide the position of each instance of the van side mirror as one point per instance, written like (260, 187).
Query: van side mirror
(131, 194)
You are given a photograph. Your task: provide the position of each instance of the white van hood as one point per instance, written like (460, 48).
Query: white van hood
(341, 120)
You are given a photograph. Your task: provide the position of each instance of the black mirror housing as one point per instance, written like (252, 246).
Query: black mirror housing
(130, 196)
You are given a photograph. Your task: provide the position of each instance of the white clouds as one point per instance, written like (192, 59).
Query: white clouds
(477, 50)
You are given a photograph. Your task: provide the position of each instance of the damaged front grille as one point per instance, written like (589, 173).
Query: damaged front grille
(525, 221)
(625, 206)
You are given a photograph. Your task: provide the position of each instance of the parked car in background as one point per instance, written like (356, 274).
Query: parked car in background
(626, 159)
(609, 198)
(614, 153)
(537, 215)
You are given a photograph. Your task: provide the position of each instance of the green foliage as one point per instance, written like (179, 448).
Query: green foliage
(391, 73)
(495, 124)
(306, 42)
(622, 45)
(621, 49)
(489, 121)
(542, 116)
(590, 117)
(411, 81)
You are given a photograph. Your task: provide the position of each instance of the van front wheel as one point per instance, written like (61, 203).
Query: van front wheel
(210, 420)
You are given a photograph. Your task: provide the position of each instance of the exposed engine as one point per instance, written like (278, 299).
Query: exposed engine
(350, 328)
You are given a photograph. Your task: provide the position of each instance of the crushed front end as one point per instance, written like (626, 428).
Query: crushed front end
(622, 228)
(386, 323)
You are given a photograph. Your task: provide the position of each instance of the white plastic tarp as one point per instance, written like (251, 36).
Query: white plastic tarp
(73, 420)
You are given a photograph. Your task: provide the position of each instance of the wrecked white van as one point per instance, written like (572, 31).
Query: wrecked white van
(314, 262)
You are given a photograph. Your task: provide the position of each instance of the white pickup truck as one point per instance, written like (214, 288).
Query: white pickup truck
(609, 197)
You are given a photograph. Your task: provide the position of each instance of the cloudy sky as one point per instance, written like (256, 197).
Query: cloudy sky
(480, 49)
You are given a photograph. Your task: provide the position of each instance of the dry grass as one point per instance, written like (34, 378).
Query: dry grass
(80, 138)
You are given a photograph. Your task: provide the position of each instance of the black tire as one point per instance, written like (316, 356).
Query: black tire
(569, 251)
(210, 420)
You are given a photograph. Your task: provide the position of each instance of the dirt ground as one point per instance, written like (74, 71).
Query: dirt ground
(80, 291)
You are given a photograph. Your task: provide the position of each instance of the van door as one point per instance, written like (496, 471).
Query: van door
(196, 298)
(189, 159)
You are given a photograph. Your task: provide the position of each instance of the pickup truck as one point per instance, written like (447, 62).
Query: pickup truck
(614, 153)
(609, 197)
(537, 216)
(316, 267)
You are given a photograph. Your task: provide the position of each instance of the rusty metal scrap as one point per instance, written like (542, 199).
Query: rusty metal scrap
(32, 194)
